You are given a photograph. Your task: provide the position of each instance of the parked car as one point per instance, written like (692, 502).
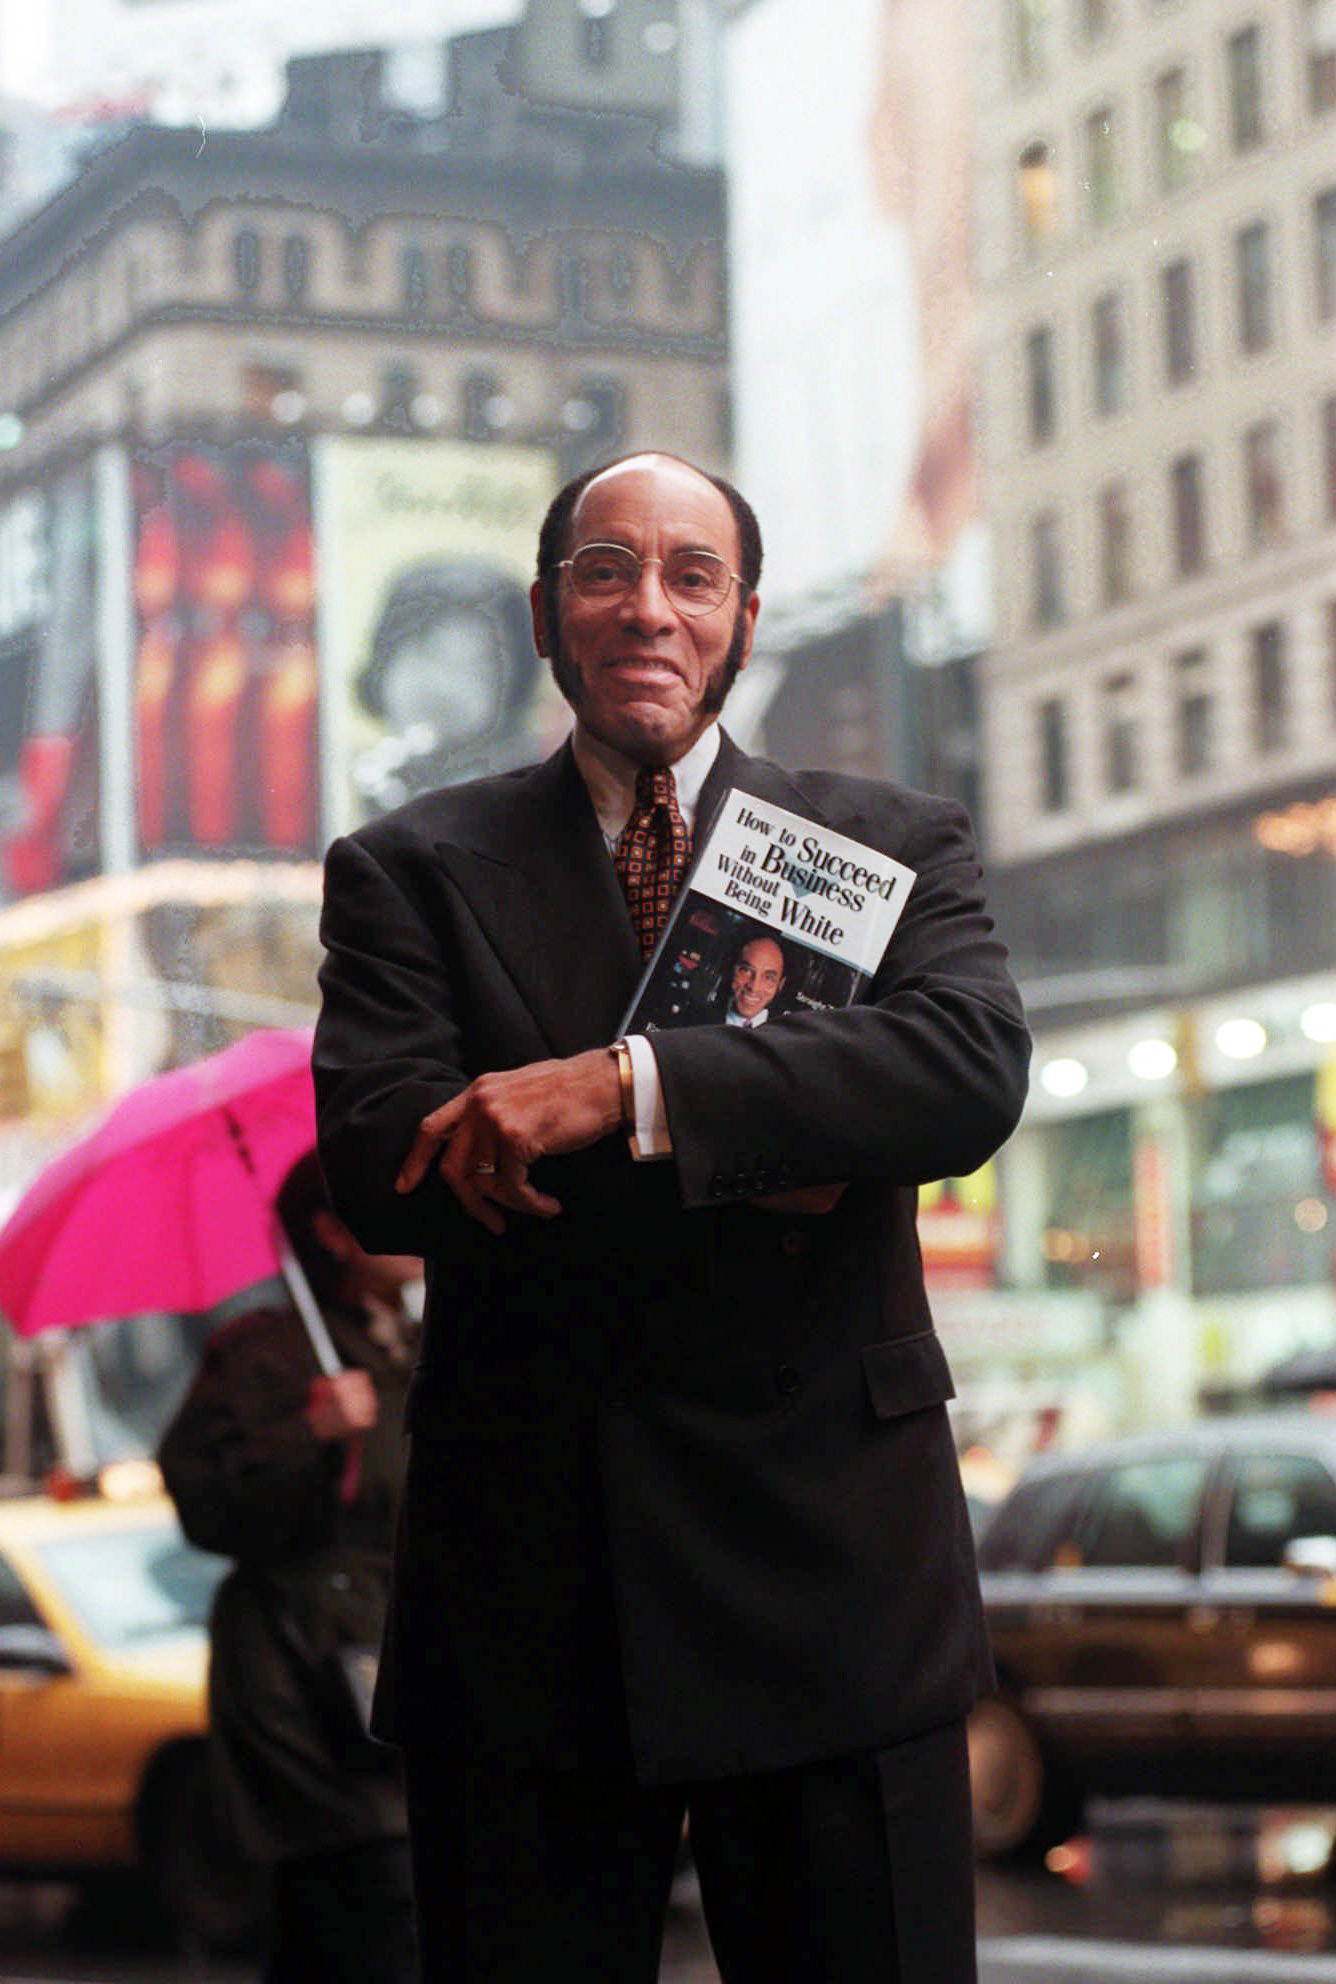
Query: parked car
(103, 1656)
(1163, 1617)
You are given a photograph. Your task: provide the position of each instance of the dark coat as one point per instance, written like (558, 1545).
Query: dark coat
(681, 1467)
(251, 1481)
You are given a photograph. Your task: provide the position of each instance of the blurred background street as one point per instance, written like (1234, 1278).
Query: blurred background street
(1016, 321)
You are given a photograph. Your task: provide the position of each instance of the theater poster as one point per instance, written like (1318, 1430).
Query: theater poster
(49, 822)
(225, 671)
(426, 555)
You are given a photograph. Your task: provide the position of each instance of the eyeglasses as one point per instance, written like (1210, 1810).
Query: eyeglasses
(695, 581)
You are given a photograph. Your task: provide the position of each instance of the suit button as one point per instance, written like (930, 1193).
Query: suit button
(794, 1241)
(788, 1380)
(718, 1185)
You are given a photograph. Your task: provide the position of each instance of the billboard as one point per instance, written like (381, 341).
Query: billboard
(49, 824)
(853, 311)
(225, 678)
(430, 672)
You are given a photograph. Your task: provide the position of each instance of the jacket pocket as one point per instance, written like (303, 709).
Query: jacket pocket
(907, 1374)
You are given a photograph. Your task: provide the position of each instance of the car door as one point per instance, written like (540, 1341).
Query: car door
(1264, 1703)
(1118, 1597)
(31, 1773)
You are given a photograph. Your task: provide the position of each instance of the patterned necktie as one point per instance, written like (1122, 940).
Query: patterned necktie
(652, 854)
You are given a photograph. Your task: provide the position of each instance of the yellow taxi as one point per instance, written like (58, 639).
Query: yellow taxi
(104, 1611)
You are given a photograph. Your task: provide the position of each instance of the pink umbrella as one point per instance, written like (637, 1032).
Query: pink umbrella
(167, 1204)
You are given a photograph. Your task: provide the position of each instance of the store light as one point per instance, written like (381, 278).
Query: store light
(288, 407)
(1310, 1216)
(11, 431)
(660, 37)
(1152, 1060)
(1064, 1077)
(359, 409)
(426, 410)
(1318, 1022)
(1241, 1040)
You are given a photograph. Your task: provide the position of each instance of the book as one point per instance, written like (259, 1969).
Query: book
(779, 915)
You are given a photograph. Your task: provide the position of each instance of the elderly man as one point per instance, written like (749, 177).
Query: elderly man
(683, 1530)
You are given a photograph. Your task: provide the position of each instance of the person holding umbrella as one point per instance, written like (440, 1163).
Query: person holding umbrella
(295, 1474)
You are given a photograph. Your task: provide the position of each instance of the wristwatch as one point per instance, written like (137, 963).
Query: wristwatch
(626, 1077)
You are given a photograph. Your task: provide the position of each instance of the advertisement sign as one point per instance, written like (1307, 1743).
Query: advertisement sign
(48, 694)
(849, 154)
(426, 555)
(55, 1022)
(225, 674)
(959, 1230)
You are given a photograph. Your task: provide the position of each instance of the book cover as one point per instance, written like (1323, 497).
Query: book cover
(779, 915)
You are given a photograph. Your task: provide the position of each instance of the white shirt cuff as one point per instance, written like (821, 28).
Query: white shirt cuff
(651, 1138)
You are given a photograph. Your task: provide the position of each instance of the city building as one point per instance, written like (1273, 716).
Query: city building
(1157, 266)
(280, 411)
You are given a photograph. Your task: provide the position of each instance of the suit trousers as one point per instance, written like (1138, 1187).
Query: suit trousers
(853, 1870)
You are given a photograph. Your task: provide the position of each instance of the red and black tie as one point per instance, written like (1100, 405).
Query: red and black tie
(653, 854)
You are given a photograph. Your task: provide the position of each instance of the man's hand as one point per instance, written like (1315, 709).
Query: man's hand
(342, 1405)
(503, 1123)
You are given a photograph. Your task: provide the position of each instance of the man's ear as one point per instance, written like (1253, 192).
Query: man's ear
(750, 611)
(538, 611)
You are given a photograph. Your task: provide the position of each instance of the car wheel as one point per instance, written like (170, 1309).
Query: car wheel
(207, 1896)
(1019, 1806)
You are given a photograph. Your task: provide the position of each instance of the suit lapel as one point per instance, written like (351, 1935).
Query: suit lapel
(540, 883)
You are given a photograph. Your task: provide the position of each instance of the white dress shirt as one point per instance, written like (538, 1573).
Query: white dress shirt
(610, 780)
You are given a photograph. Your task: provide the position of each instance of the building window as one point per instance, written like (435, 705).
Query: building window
(595, 33)
(572, 287)
(296, 267)
(1115, 544)
(1321, 29)
(1029, 39)
(1054, 770)
(398, 390)
(1041, 384)
(1180, 340)
(246, 260)
(459, 276)
(1253, 281)
(413, 285)
(1108, 330)
(1038, 185)
(1194, 714)
(480, 395)
(1324, 242)
(1246, 114)
(1095, 20)
(1120, 734)
(1270, 687)
(622, 274)
(1045, 571)
(1176, 135)
(1189, 503)
(1329, 454)
(1103, 194)
(1266, 490)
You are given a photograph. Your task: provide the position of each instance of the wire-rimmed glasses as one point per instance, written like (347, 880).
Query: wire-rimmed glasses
(695, 581)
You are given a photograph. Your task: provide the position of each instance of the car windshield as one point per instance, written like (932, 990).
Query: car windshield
(134, 1586)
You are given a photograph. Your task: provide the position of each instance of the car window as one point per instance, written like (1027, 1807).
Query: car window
(1020, 1535)
(16, 1608)
(135, 1585)
(1144, 1514)
(1275, 1498)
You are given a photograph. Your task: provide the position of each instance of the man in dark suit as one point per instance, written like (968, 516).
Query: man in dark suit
(683, 1530)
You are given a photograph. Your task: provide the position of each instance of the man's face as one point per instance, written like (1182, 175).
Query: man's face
(642, 676)
(757, 977)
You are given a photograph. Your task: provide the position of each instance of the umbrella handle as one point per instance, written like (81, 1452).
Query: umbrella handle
(322, 1343)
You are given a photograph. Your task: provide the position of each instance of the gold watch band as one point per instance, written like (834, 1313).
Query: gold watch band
(626, 1077)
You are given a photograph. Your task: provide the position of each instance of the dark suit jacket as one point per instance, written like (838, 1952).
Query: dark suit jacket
(681, 1472)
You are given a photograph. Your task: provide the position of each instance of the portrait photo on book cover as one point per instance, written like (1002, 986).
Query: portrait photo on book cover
(726, 966)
